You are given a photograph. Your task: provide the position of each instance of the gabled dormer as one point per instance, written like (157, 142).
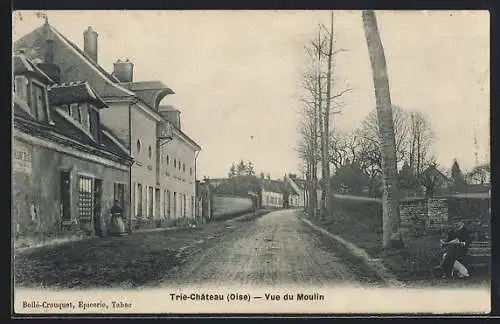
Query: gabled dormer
(79, 103)
(30, 84)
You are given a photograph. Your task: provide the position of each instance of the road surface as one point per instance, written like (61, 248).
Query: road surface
(275, 249)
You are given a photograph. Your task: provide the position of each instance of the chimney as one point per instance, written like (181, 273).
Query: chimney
(123, 70)
(171, 114)
(49, 67)
(90, 43)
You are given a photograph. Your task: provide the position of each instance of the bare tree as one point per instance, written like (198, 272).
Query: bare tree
(370, 132)
(421, 137)
(391, 217)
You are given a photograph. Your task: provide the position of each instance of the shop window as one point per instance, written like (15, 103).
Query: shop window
(85, 199)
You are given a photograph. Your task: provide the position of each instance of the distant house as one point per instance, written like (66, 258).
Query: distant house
(272, 193)
(480, 175)
(436, 182)
(297, 196)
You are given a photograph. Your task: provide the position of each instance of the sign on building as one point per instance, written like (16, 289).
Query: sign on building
(22, 159)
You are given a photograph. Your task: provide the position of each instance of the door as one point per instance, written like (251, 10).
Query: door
(97, 207)
(65, 196)
(175, 204)
(157, 203)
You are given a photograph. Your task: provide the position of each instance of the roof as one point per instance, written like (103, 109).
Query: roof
(272, 185)
(21, 109)
(74, 92)
(34, 43)
(433, 168)
(82, 53)
(62, 126)
(301, 183)
(22, 65)
(167, 108)
(150, 92)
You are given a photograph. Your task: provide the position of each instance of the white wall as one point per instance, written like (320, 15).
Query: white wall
(272, 199)
(144, 169)
(181, 181)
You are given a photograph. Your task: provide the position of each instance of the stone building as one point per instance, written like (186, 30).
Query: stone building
(67, 168)
(162, 178)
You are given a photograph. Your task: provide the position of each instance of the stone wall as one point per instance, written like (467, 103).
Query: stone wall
(420, 215)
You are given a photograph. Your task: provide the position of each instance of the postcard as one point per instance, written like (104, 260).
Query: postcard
(250, 162)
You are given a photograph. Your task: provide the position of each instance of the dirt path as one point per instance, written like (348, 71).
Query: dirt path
(274, 249)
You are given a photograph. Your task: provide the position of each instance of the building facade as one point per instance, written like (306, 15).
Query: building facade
(67, 170)
(162, 179)
(271, 193)
(297, 195)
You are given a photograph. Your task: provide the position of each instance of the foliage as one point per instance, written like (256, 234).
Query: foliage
(239, 186)
(349, 178)
(457, 176)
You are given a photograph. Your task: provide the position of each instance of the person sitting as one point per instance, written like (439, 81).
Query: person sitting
(456, 246)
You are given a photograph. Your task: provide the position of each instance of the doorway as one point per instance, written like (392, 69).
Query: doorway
(157, 203)
(65, 196)
(97, 207)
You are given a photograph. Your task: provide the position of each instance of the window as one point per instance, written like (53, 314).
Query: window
(184, 204)
(138, 146)
(66, 109)
(190, 171)
(75, 112)
(192, 206)
(150, 151)
(168, 159)
(150, 201)
(139, 200)
(38, 102)
(184, 167)
(118, 193)
(164, 203)
(93, 116)
(175, 204)
(85, 207)
(21, 86)
(179, 164)
(168, 203)
(175, 163)
(84, 115)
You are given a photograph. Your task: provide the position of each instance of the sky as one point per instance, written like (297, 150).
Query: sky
(236, 74)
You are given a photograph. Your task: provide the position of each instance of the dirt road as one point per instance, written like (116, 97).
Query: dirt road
(275, 249)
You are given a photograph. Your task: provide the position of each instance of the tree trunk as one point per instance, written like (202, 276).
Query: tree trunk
(391, 217)
(326, 144)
